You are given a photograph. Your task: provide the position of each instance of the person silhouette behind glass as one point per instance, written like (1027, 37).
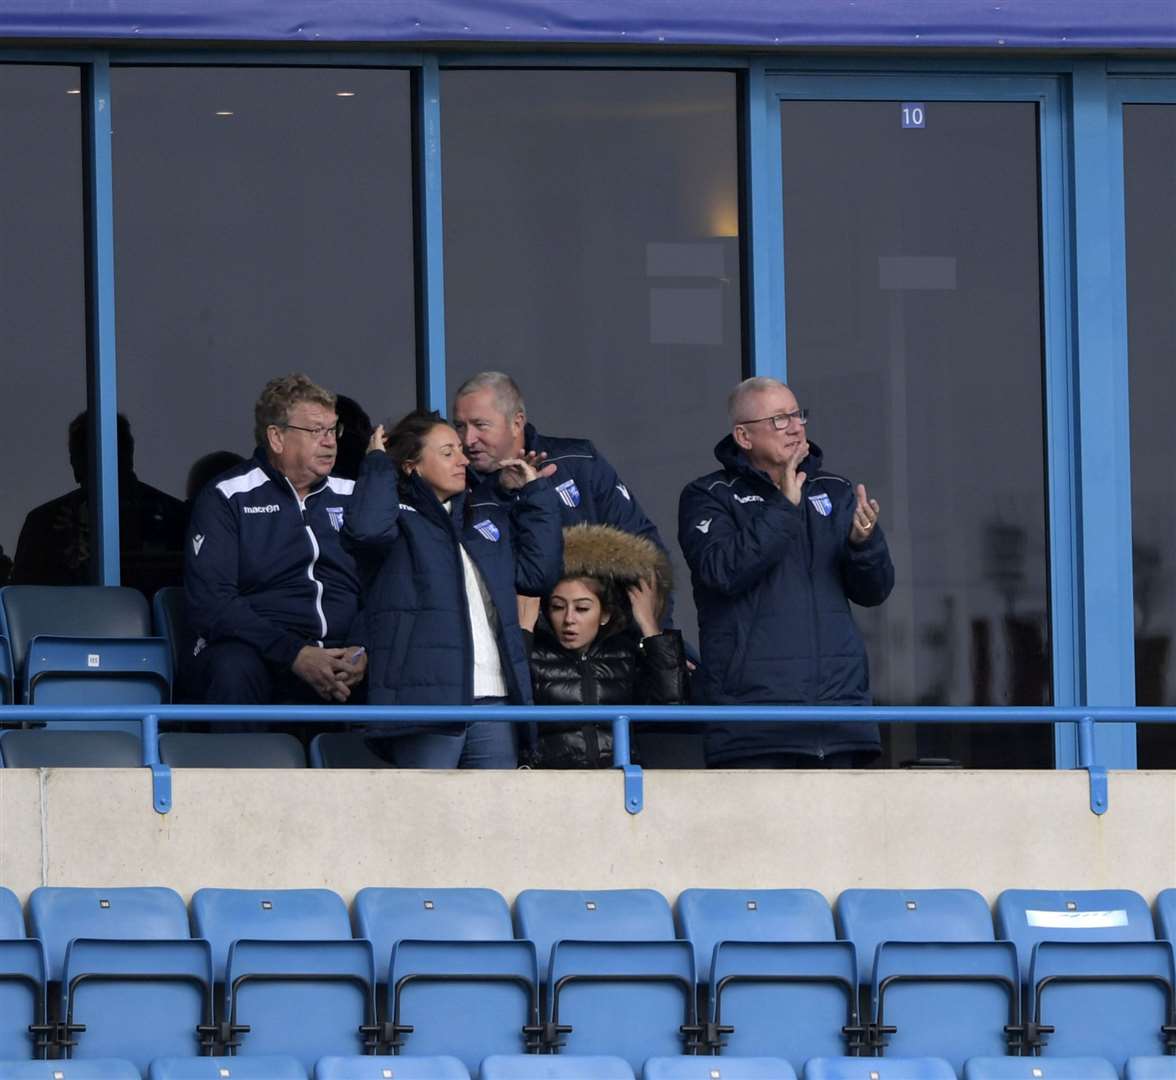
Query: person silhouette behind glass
(55, 546)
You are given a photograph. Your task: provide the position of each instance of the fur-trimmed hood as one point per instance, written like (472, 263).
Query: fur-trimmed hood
(600, 551)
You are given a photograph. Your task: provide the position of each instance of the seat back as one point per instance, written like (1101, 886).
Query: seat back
(1106, 999)
(852, 1068)
(67, 748)
(1033, 1068)
(546, 916)
(785, 999)
(597, 1067)
(137, 1000)
(867, 917)
(1149, 1068)
(468, 999)
(707, 916)
(80, 611)
(12, 924)
(223, 1068)
(946, 999)
(386, 916)
(169, 616)
(728, 1068)
(300, 998)
(231, 750)
(22, 997)
(401, 1068)
(103, 1069)
(344, 750)
(628, 999)
(58, 914)
(1028, 916)
(223, 916)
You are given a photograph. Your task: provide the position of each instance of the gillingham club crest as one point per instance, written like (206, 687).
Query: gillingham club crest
(488, 529)
(822, 504)
(569, 493)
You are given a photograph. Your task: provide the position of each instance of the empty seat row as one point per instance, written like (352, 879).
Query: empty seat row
(427, 973)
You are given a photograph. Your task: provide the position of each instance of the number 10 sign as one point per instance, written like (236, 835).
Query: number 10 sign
(913, 114)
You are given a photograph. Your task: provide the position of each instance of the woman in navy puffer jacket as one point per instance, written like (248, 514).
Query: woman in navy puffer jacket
(441, 575)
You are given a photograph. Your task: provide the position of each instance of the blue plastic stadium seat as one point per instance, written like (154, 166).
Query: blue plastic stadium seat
(1150, 1068)
(292, 973)
(98, 1069)
(222, 916)
(792, 995)
(1035, 1068)
(935, 972)
(1093, 972)
(231, 750)
(68, 748)
(546, 916)
(385, 916)
(84, 644)
(390, 1068)
(22, 985)
(629, 999)
(468, 999)
(128, 971)
(563, 1067)
(344, 750)
(723, 1068)
(614, 973)
(226, 1068)
(856, 1068)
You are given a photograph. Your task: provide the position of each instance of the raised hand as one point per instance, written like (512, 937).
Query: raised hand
(865, 516)
(516, 472)
(378, 441)
(792, 482)
(643, 601)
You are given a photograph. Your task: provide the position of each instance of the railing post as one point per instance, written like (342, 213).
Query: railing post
(634, 780)
(1099, 797)
(161, 793)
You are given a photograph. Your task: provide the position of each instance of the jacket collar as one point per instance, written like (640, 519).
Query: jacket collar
(418, 494)
(732, 457)
(261, 459)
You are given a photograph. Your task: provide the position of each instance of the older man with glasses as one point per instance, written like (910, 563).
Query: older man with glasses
(777, 549)
(272, 593)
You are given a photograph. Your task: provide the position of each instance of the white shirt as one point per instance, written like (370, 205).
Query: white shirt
(488, 678)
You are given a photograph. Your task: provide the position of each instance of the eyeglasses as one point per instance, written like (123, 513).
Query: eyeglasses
(318, 433)
(781, 420)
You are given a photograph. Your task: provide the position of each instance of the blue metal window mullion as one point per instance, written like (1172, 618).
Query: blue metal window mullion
(103, 376)
(764, 219)
(431, 276)
(1103, 521)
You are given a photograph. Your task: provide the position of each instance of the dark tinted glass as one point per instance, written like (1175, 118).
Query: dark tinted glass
(42, 325)
(1149, 138)
(592, 251)
(263, 225)
(914, 335)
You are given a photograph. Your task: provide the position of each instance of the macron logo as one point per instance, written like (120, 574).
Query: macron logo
(747, 498)
(270, 508)
(197, 543)
(704, 526)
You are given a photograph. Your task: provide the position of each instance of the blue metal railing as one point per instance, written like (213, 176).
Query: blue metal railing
(149, 718)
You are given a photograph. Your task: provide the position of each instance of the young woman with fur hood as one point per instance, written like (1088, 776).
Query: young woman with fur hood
(598, 641)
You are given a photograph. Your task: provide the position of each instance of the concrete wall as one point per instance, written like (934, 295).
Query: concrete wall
(515, 830)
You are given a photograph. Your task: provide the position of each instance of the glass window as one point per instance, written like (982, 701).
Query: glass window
(45, 516)
(263, 225)
(1149, 148)
(914, 335)
(592, 251)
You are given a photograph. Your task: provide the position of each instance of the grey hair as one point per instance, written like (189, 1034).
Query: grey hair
(508, 398)
(755, 385)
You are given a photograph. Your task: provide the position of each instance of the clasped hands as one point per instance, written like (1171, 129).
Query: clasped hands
(331, 673)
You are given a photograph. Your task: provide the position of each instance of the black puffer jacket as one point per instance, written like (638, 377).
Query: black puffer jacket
(616, 669)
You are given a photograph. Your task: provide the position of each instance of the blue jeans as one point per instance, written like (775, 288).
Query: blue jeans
(485, 744)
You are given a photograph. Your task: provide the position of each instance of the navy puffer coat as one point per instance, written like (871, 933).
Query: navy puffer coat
(415, 617)
(773, 584)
